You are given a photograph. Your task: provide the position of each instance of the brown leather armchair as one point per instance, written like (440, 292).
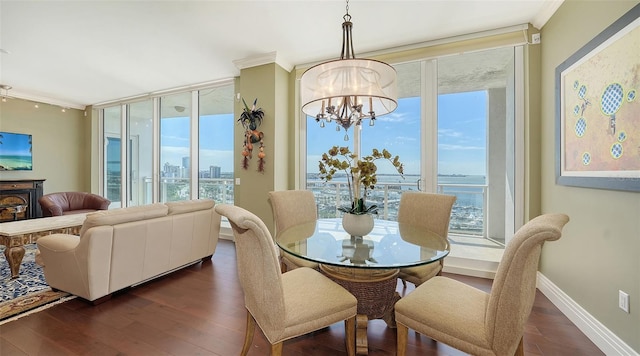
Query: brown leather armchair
(65, 203)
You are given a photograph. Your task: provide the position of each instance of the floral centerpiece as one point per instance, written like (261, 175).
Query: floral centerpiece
(360, 172)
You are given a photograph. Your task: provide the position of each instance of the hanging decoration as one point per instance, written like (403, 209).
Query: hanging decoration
(251, 119)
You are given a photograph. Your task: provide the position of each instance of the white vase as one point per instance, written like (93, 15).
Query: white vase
(357, 225)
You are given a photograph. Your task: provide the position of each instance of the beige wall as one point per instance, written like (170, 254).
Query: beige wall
(597, 256)
(61, 142)
(599, 252)
(270, 84)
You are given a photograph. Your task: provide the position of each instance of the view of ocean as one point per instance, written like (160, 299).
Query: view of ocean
(467, 215)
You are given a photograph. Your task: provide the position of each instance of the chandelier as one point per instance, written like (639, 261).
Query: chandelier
(6, 89)
(348, 90)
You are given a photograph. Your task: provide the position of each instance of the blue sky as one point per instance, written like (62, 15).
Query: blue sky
(461, 137)
(15, 144)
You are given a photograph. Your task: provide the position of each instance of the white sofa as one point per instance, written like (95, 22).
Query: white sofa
(120, 248)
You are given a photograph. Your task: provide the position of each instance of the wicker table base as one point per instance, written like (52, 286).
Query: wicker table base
(375, 290)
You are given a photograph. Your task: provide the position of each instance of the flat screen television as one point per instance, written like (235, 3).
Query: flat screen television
(15, 152)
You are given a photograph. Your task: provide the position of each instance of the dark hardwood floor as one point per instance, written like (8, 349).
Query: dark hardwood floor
(200, 311)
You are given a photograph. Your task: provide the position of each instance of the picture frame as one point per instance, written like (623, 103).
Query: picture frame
(598, 110)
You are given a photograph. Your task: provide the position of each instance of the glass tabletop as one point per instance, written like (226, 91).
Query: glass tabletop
(389, 245)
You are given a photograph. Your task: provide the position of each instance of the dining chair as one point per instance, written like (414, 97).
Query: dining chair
(284, 305)
(290, 208)
(433, 212)
(472, 320)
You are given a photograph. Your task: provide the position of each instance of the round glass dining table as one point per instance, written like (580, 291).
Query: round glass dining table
(368, 265)
(390, 245)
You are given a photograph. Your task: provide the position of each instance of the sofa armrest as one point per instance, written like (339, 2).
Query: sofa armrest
(78, 265)
(49, 207)
(58, 243)
(93, 201)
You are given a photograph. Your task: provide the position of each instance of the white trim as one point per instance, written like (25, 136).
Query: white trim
(158, 93)
(45, 100)
(605, 339)
(548, 9)
(519, 138)
(441, 41)
(261, 59)
(194, 149)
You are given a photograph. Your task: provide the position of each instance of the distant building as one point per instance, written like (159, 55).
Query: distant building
(214, 172)
(170, 171)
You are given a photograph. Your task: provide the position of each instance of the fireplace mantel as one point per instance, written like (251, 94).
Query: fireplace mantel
(28, 189)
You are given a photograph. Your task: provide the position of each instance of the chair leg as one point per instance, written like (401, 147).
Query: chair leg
(248, 336)
(350, 335)
(520, 349)
(403, 333)
(276, 349)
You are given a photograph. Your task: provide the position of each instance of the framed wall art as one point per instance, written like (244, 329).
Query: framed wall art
(598, 110)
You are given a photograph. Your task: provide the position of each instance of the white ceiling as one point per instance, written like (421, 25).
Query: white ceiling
(77, 53)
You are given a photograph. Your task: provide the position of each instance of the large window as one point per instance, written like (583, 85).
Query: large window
(112, 167)
(140, 163)
(454, 130)
(216, 121)
(180, 147)
(175, 147)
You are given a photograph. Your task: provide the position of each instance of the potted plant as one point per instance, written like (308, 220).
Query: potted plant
(250, 119)
(361, 176)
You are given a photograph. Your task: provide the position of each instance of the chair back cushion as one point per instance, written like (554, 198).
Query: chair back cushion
(514, 286)
(292, 207)
(432, 211)
(258, 269)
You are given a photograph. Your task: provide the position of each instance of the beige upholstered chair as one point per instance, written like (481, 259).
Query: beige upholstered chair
(292, 207)
(471, 320)
(432, 211)
(284, 305)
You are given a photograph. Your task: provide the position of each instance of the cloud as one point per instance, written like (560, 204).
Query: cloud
(405, 138)
(393, 117)
(449, 147)
(450, 133)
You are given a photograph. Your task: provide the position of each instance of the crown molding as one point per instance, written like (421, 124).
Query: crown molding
(548, 9)
(261, 59)
(17, 94)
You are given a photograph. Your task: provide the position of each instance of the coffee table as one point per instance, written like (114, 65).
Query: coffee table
(15, 234)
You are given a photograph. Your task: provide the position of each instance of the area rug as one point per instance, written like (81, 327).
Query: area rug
(29, 292)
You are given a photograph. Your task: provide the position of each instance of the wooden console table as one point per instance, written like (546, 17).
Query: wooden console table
(15, 234)
(28, 190)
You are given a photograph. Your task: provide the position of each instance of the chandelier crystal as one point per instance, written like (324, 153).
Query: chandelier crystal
(348, 90)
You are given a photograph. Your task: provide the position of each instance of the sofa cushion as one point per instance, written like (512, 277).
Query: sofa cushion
(187, 206)
(123, 215)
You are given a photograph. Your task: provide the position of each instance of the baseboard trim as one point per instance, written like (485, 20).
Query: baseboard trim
(605, 340)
